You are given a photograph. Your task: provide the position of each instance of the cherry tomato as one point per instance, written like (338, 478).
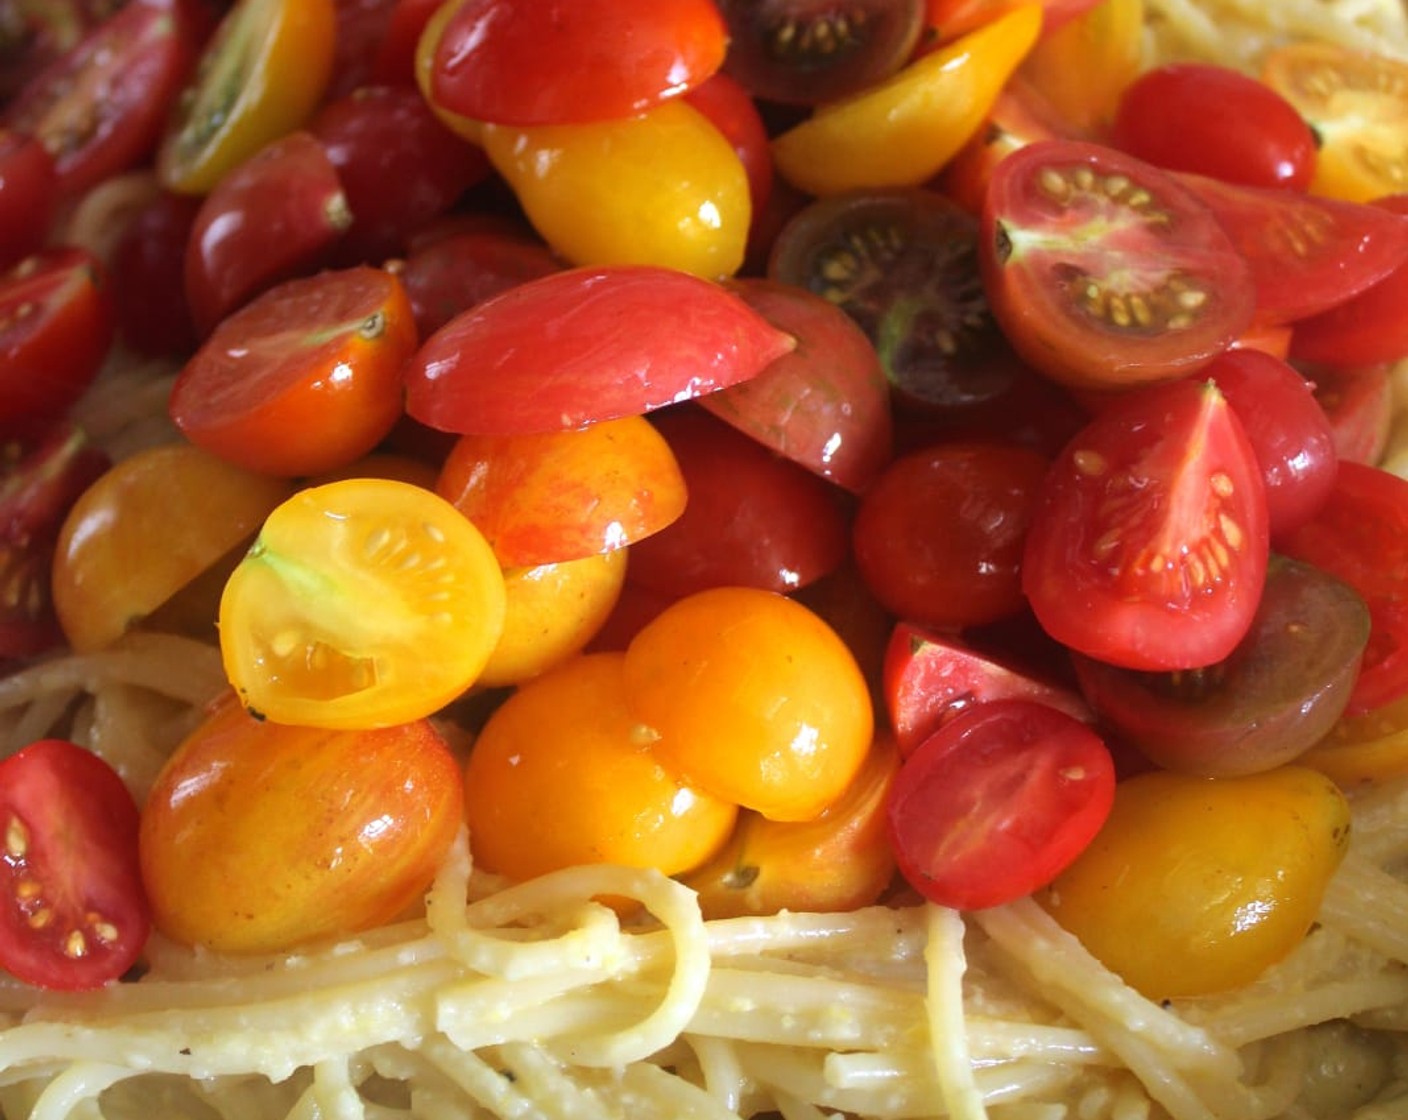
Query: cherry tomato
(547, 356)
(567, 61)
(274, 217)
(1364, 750)
(1357, 103)
(1198, 885)
(304, 379)
(1105, 271)
(260, 77)
(1216, 121)
(1148, 545)
(732, 111)
(997, 802)
(939, 537)
(38, 486)
(751, 698)
(57, 320)
(826, 405)
(258, 837)
(395, 59)
(361, 27)
(931, 678)
(100, 108)
(1307, 254)
(561, 776)
(753, 519)
(1275, 696)
(1083, 65)
(362, 603)
(37, 32)
(28, 185)
(1360, 534)
(149, 278)
(1359, 404)
(901, 131)
(147, 528)
(806, 53)
(74, 915)
(544, 497)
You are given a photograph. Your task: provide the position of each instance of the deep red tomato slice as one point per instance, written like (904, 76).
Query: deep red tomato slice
(1307, 254)
(1104, 270)
(568, 61)
(56, 323)
(1361, 535)
(1148, 545)
(587, 344)
(72, 910)
(100, 108)
(998, 802)
(27, 195)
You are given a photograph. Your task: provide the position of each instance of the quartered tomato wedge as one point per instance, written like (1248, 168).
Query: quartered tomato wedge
(1104, 270)
(587, 344)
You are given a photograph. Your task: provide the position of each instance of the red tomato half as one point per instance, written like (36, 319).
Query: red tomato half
(998, 802)
(27, 185)
(72, 911)
(1148, 545)
(587, 344)
(1104, 270)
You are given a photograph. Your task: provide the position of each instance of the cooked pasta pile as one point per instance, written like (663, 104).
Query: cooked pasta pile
(1239, 32)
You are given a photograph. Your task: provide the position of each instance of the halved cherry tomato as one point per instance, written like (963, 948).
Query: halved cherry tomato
(545, 497)
(1104, 270)
(568, 61)
(1083, 65)
(36, 32)
(259, 836)
(361, 27)
(1364, 750)
(901, 131)
(1360, 534)
(1216, 121)
(1148, 546)
(149, 277)
(997, 802)
(548, 354)
(304, 379)
(260, 77)
(57, 320)
(362, 603)
(395, 60)
(732, 111)
(28, 186)
(72, 911)
(100, 108)
(946, 20)
(38, 487)
(274, 217)
(1359, 404)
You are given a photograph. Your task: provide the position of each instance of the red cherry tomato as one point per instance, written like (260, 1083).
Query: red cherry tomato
(100, 108)
(149, 277)
(361, 27)
(1148, 546)
(1359, 404)
(567, 61)
(998, 802)
(551, 354)
(27, 195)
(1103, 270)
(395, 61)
(72, 911)
(1213, 120)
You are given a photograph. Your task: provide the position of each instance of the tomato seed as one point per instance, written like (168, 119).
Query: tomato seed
(16, 838)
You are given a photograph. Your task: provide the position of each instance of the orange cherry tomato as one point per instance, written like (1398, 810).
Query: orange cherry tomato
(259, 837)
(552, 496)
(1083, 66)
(305, 379)
(753, 698)
(561, 775)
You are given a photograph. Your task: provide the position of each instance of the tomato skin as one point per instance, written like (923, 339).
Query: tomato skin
(1359, 404)
(1149, 543)
(997, 802)
(258, 836)
(1215, 121)
(732, 111)
(149, 278)
(304, 379)
(567, 61)
(28, 186)
(74, 914)
(1083, 65)
(476, 374)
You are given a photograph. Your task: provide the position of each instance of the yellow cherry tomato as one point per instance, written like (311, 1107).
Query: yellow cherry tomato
(664, 188)
(561, 775)
(1081, 69)
(362, 603)
(552, 612)
(148, 528)
(1198, 885)
(424, 67)
(1368, 749)
(753, 698)
(261, 76)
(901, 131)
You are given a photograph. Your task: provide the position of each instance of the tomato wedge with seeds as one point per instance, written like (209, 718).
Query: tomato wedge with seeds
(587, 344)
(1148, 544)
(303, 380)
(72, 911)
(1104, 271)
